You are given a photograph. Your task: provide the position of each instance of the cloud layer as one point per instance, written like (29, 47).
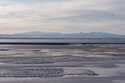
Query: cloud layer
(62, 16)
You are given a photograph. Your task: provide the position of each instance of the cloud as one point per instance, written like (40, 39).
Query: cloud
(62, 15)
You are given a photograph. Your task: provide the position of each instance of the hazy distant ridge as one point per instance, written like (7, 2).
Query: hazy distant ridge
(65, 35)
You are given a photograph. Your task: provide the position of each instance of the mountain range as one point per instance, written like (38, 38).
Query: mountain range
(69, 35)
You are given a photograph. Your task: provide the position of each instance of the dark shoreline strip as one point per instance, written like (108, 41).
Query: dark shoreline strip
(38, 43)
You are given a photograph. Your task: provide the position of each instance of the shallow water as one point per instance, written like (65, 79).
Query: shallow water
(62, 64)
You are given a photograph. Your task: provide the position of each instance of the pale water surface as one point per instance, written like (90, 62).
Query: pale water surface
(95, 63)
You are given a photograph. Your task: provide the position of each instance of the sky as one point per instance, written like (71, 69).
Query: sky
(62, 16)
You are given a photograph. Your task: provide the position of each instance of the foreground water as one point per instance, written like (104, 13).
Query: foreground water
(95, 63)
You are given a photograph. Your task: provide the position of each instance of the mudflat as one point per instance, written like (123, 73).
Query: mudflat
(95, 63)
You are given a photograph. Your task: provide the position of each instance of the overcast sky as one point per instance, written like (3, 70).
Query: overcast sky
(62, 16)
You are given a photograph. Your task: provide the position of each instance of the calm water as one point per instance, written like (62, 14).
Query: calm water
(70, 40)
(95, 63)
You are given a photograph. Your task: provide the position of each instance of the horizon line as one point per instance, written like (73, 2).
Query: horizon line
(59, 32)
